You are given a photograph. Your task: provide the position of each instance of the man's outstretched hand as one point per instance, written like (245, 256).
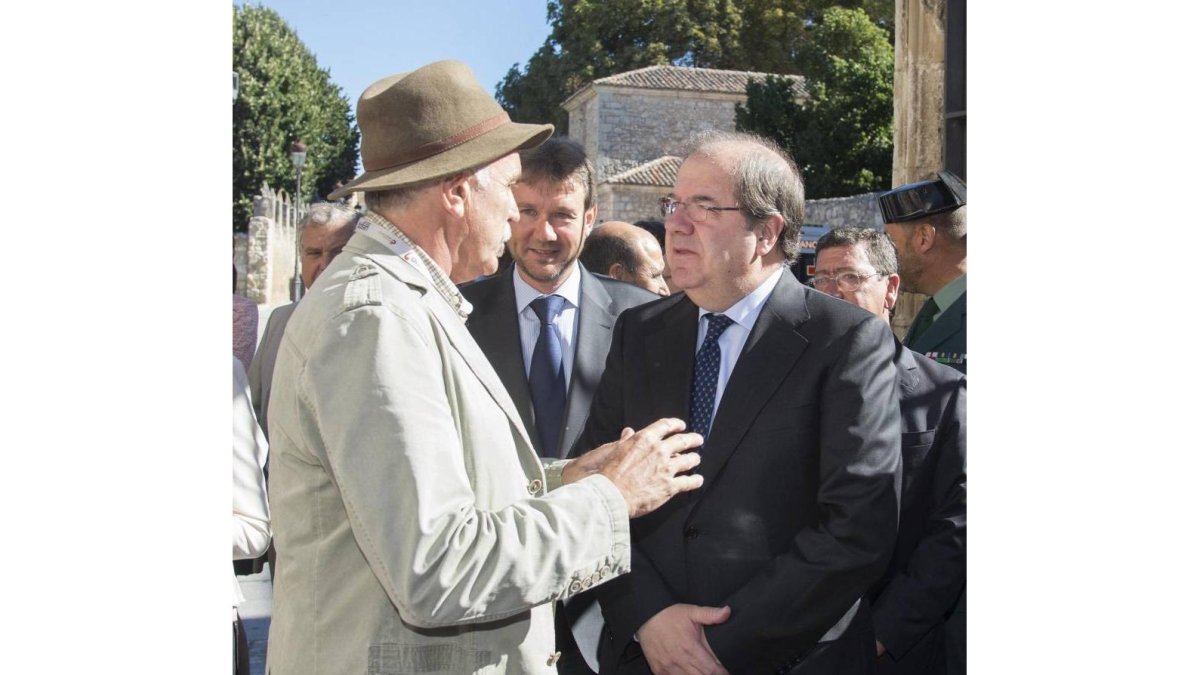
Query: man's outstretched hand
(644, 465)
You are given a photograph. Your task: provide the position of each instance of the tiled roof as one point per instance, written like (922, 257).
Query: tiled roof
(658, 173)
(692, 79)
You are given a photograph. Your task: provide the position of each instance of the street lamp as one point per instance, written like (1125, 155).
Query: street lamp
(299, 150)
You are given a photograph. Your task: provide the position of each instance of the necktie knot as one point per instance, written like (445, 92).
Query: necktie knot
(717, 323)
(547, 308)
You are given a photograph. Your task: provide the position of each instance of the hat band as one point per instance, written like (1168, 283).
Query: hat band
(436, 147)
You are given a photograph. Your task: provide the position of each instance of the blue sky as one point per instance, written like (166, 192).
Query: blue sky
(361, 41)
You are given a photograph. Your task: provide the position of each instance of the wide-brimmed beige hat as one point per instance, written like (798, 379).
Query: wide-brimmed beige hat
(432, 122)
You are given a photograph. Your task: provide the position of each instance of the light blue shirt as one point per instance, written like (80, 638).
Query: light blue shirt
(744, 313)
(530, 327)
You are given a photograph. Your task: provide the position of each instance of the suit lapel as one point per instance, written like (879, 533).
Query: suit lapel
(593, 334)
(496, 317)
(950, 322)
(906, 369)
(770, 353)
(671, 353)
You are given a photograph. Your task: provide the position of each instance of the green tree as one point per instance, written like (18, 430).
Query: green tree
(841, 136)
(284, 96)
(590, 39)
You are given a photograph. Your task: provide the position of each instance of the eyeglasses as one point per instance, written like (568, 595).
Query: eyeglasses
(695, 212)
(847, 282)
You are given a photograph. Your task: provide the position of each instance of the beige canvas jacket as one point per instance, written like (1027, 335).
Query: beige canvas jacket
(413, 526)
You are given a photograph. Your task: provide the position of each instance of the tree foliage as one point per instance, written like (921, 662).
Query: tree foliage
(841, 136)
(284, 96)
(590, 39)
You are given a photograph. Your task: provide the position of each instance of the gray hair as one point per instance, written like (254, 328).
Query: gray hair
(767, 182)
(881, 252)
(952, 225)
(324, 214)
(397, 198)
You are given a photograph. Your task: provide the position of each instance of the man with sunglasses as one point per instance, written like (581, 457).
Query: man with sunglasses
(928, 222)
(765, 568)
(928, 571)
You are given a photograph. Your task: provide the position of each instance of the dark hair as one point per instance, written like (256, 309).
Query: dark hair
(560, 160)
(881, 252)
(602, 249)
(656, 228)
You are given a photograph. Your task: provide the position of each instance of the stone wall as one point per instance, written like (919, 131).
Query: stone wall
(269, 245)
(856, 211)
(629, 203)
(636, 126)
(919, 118)
(240, 261)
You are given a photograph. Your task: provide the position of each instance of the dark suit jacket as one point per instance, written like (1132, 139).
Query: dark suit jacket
(493, 323)
(929, 568)
(797, 515)
(946, 340)
(262, 367)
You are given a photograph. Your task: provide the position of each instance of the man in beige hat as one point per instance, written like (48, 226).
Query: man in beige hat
(415, 525)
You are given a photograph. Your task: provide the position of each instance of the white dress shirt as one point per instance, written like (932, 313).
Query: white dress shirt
(530, 327)
(744, 313)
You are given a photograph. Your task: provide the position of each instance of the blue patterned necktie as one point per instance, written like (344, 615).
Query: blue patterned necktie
(704, 375)
(547, 378)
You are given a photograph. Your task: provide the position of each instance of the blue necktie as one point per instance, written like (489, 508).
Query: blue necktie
(704, 375)
(547, 377)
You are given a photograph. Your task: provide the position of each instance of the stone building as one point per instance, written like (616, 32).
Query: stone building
(633, 126)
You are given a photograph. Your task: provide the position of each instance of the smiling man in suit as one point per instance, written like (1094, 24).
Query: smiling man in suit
(766, 568)
(928, 571)
(556, 200)
(545, 325)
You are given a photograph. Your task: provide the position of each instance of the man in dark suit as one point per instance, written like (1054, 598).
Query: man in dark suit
(927, 221)
(324, 231)
(555, 197)
(766, 568)
(929, 568)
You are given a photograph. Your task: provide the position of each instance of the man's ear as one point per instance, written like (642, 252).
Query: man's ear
(769, 232)
(589, 217)
(923, 237)
(455, 194)
(892, 293)
(617, 271)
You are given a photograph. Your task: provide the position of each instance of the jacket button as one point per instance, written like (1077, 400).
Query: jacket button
(691, 533)
(535, 486)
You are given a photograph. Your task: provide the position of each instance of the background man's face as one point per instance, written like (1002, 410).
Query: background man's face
(649, 272)
(319, 245)
(708, 256)
(489, 216)
(550, 233)
(876, 295)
